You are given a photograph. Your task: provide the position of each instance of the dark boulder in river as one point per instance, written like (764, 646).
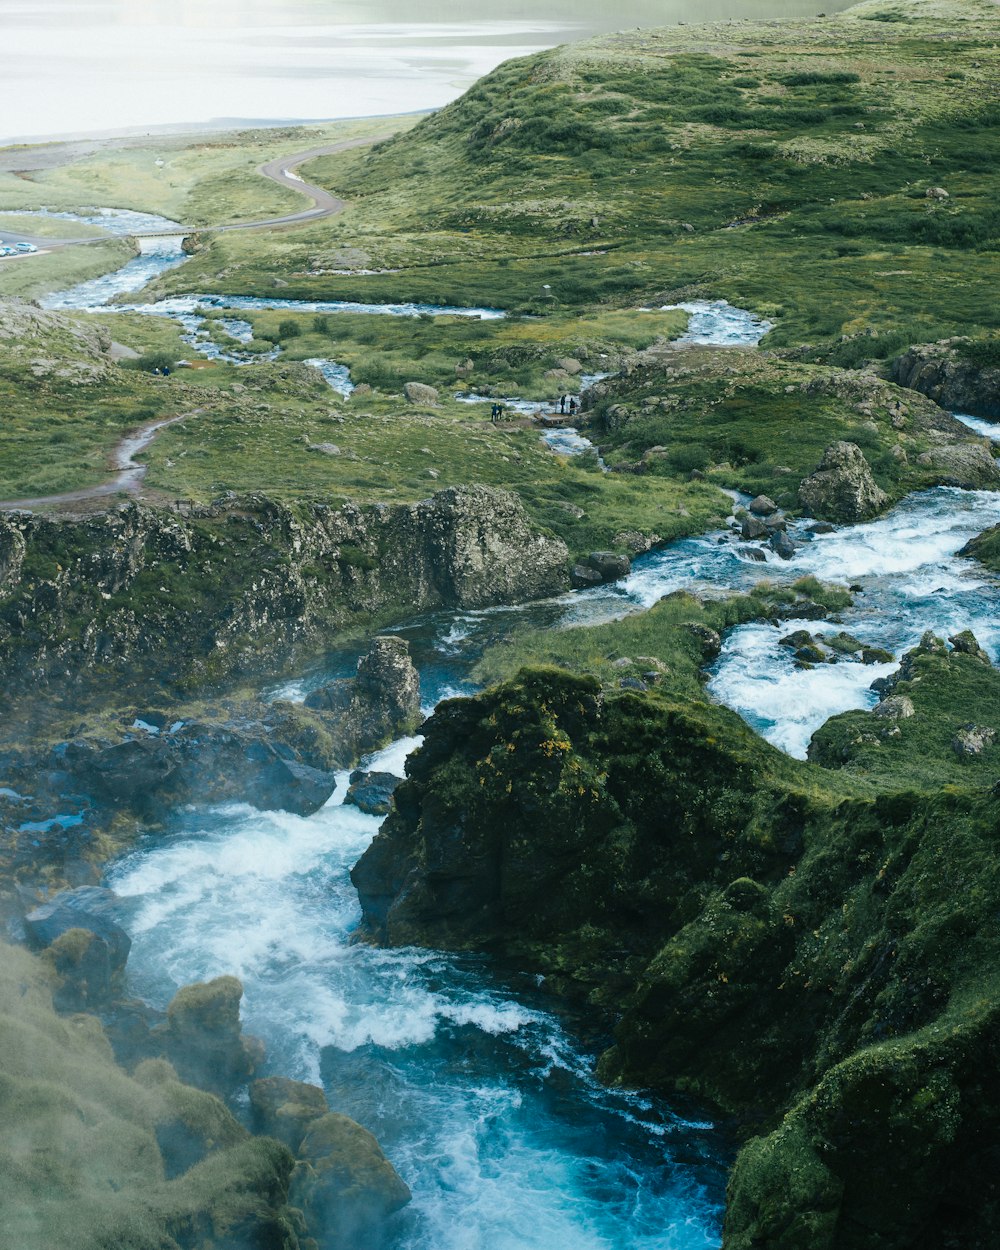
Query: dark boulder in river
(380, 704)
(372, 792)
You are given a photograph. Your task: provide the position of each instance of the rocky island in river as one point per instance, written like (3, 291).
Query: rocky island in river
(498, 626)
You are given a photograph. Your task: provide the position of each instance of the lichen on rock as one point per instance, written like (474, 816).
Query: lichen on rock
(842, 487)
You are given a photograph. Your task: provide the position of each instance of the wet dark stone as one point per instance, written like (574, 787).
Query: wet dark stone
(87, 907)
(372, 791)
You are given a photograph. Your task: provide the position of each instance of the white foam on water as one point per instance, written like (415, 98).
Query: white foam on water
(717, 323)
(338, 377)
(757, 678)
(447, 1067)
(990, 429)
(912, 581)
(392, 759)
(156, 256)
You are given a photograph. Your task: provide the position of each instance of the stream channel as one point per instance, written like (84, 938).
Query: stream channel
(480, 1094)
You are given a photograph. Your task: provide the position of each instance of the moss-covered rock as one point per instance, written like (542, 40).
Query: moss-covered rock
(950, 373)
(813, 955)
(284, 1109)
(344, 1184)
(92, 1158)
(189, 1123)
(204, 1035)
(136, 592)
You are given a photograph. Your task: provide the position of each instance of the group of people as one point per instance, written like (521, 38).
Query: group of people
(567, 404)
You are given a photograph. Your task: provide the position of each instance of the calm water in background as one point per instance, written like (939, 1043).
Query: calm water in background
(79, 67)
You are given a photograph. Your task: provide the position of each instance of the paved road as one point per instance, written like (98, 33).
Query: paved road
(279, 170)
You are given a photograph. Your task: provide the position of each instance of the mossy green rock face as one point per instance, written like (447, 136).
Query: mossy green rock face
(136, 592)
(837, 444)
(926, 706)
(91, 1158)
(284, 1109)
(190, 1123)
(812, 953)
(344, 1184)
(204, 1035)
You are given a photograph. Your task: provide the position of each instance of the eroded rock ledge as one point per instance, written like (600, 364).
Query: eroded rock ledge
(769, 936)
(246, 585)
(945, 374)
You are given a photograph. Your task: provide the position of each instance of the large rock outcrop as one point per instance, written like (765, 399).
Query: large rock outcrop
(968, 465)
(381, 703)
(951, 379)
(817, 960)
(245, 585)
(842, 488)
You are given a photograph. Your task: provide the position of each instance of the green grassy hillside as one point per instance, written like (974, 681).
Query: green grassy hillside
(783, 166)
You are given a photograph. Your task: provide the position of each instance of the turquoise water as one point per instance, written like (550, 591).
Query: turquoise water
(483, 1097)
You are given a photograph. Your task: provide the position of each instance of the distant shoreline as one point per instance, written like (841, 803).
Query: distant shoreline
(180, 130)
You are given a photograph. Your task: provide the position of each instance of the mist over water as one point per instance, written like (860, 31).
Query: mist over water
(477, 1092)
(115, 65)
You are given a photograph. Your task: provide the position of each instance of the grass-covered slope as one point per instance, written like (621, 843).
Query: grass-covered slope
(761, 424)
(65, 403)
(785, 167)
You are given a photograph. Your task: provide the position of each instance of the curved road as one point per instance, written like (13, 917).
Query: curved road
(128, 474)
(279, 170)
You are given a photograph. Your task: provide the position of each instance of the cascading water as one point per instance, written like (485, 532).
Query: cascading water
(905, 563)
(716, 323)
(989, 429)
(485, 1105)
(478, 1092)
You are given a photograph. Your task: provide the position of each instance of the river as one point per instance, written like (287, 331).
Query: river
(482, 1096)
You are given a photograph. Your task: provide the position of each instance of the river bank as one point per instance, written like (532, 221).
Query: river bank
(710, 856)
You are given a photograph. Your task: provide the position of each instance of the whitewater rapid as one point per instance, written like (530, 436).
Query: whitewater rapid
(482, 1097)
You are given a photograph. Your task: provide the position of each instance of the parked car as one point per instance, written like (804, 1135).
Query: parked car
(25, 247)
